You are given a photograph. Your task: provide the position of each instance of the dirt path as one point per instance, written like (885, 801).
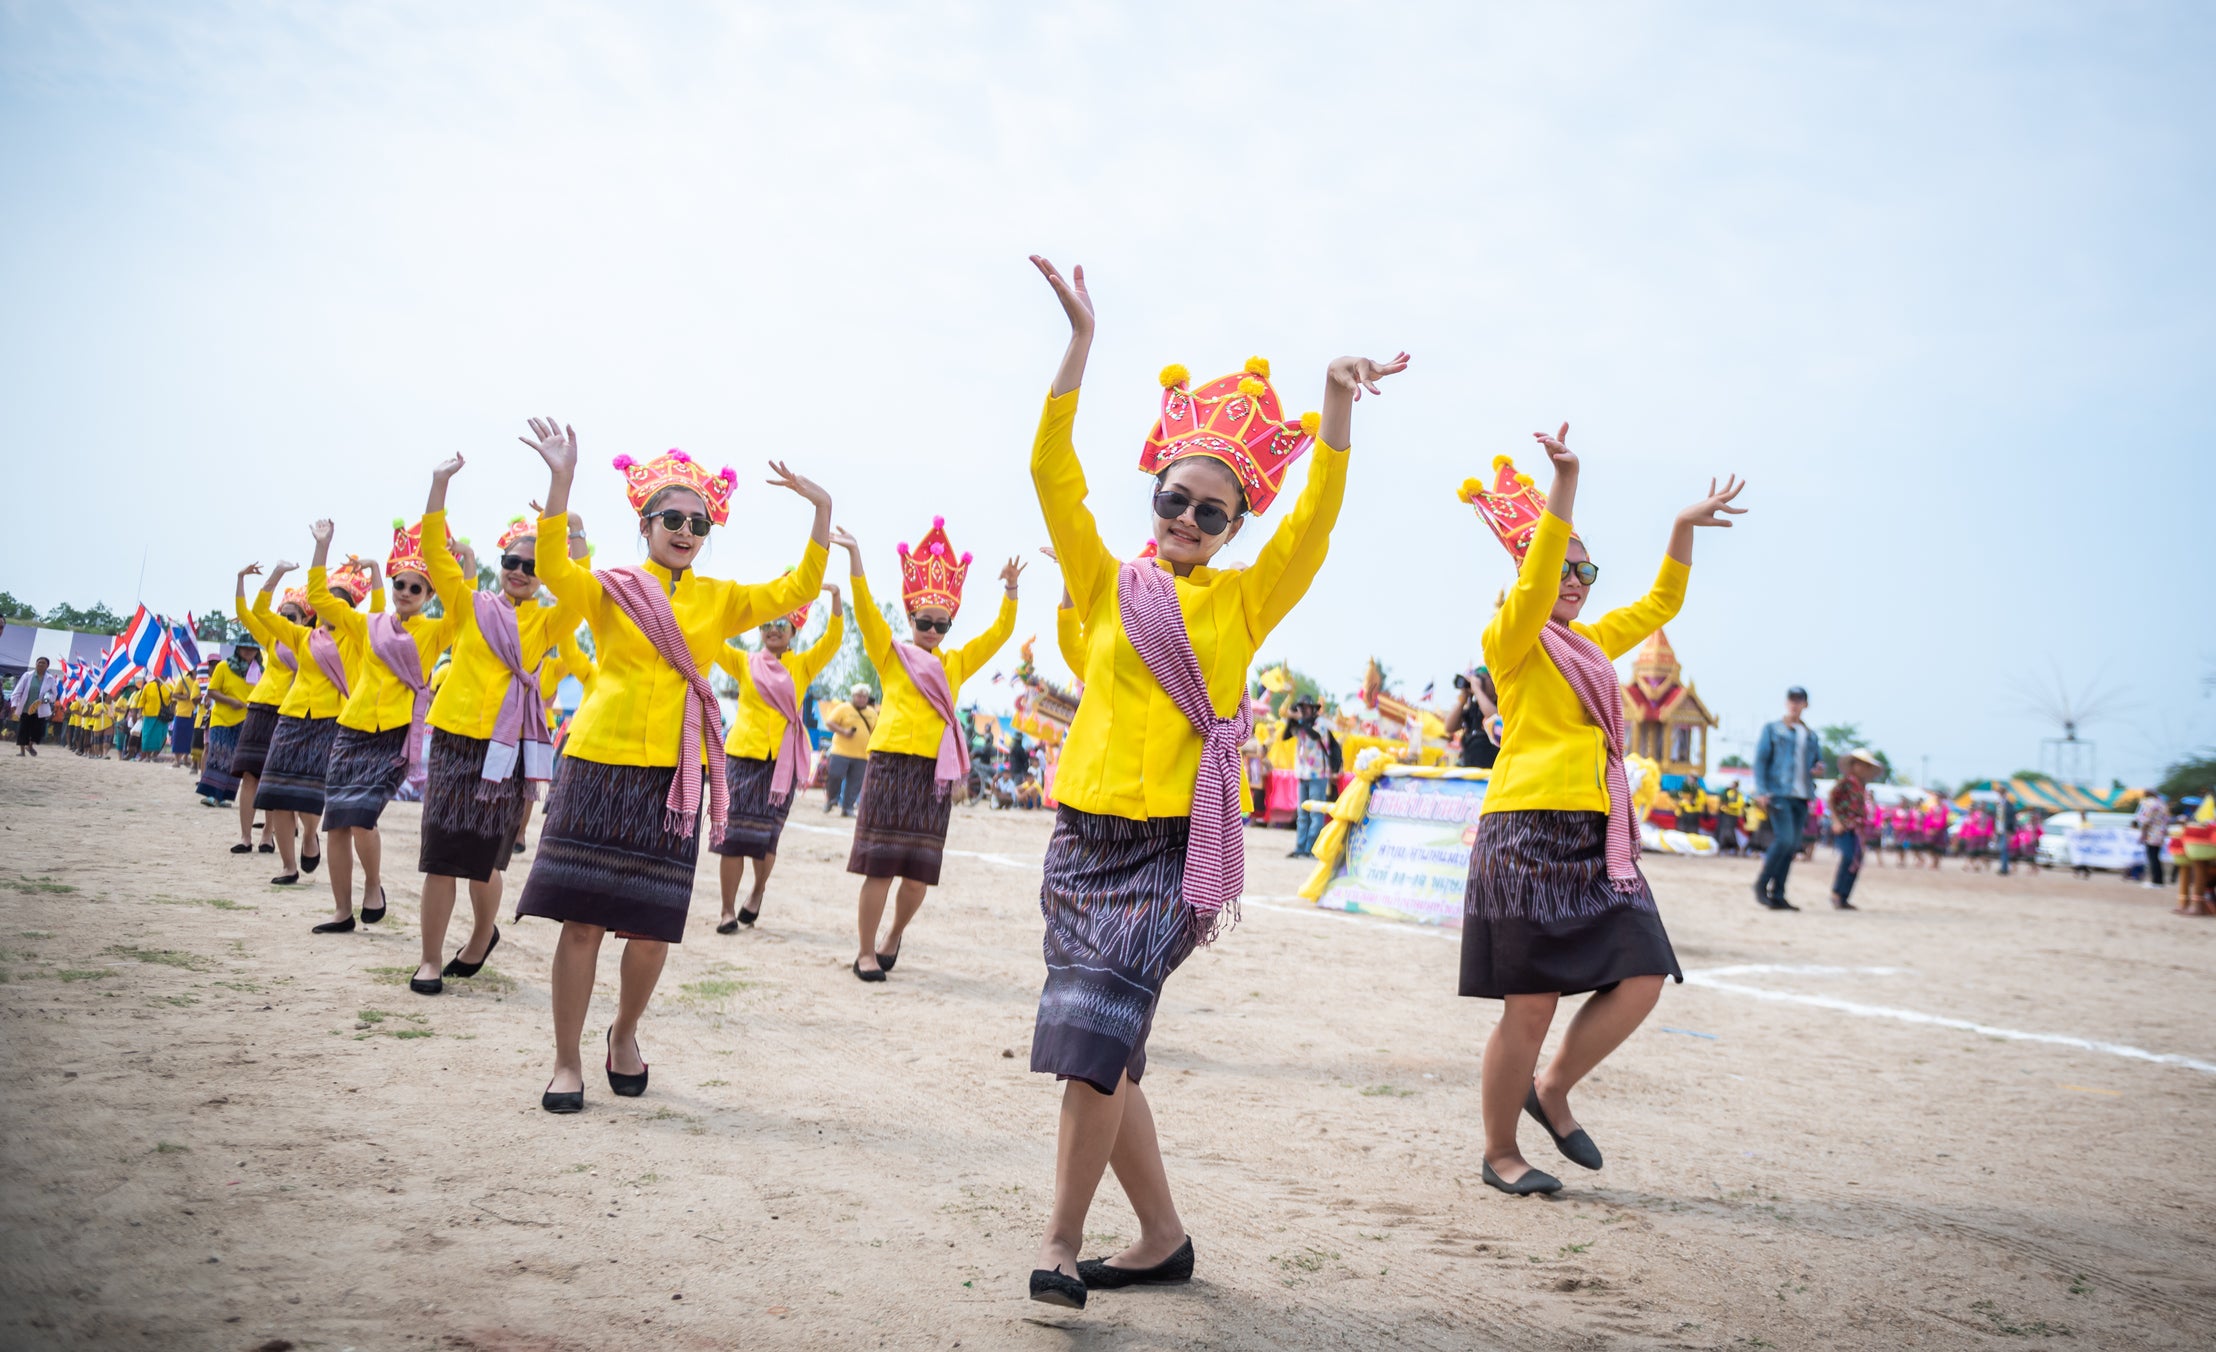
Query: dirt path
(221, 1131)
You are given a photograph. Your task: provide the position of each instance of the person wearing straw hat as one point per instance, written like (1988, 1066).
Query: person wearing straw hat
(1849, 802)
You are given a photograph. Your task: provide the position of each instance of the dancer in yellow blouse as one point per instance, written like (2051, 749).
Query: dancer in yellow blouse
(227, 696)
(1147, 857)
(262, 703)
(330, 661)
(920, 751)
(766, 759)
(1555, 904)
(489, 750)
(624, 823)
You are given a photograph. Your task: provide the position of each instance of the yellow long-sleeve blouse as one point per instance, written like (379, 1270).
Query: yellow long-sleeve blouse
(569, 659)
(276, 678)
(1130, 753)
(1551, 755)
(476, 682)
(906, 724)
(757, 729)
(224, 681)
(311, 694)
(635, 714)
(153, 700)
(1069, 639)
(379, 700)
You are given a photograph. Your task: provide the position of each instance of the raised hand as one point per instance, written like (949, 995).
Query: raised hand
(1048, 550)
(322, 531)
(845, 540)
(782, 477)
(447, 469)
(1558, 450)
(1077, 302)
(1010, 572)
(555, 443)
(1705, 512)
(1356, 374)
(251, 570)
(831, 589)
(280, 568)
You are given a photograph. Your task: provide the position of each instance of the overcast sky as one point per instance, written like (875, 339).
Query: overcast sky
(1938, 283)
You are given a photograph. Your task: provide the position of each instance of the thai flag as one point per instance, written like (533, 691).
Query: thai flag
(168, 660)
(188, 648)
(117, 668)
(142, 637)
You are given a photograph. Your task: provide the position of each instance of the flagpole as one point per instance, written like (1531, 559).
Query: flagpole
(140, 599)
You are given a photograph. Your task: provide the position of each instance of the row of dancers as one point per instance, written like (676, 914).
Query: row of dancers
(1146, 860)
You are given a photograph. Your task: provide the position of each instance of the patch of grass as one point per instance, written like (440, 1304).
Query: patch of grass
(713, 1084)
(391, 976)
(34, 934)
(171, 1148)
(1569, 1249)
(2079, 1286)
(1305, 1260)
(179, 1000)
(713, 988)
(1387, 1091)
(405, 1034)
(380, 1015)
(249, 987)
(83, 974)
(2009, 1328)
(218, 903)
(166, 957)
(42, 886)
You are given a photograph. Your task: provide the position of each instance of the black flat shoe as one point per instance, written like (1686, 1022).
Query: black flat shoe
(434, 986)
(625, 1086)
(370, 917)
(242, 849)
(571, 1102)
(1577, 1147)
(1174, 1270)
(345, 926)
(286, 879)
(732, 927)
(309, 863)
(1049, 1287)
(885, 961)
(456, 967)
(265, 848)
(747, 918)
(878, 975)
(1531, 1182)
(1781, 904)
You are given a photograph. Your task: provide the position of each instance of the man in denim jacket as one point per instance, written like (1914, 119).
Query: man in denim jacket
(1784, 780)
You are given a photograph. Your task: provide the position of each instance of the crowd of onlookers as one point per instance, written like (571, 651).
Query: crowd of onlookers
(146, 720)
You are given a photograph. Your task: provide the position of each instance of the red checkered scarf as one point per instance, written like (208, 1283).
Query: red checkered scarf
(636, 592)
(776, 687)
(393, 645)
(1215, 851)
(1593, 678)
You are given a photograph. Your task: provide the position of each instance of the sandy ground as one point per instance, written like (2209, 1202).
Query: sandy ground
(221, 1132)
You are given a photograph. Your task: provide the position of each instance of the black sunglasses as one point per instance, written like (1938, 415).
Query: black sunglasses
(930, 625)
(409, 588)
(516, 563)
(674, 521)
(1169, 504)
(1586, 572)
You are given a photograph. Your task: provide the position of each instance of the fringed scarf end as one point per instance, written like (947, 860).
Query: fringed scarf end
(1211, 925)
(679, 823)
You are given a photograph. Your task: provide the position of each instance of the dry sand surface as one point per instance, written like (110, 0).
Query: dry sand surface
(224, 1133)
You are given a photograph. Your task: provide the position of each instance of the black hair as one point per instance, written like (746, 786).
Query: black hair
(654, 504)
(1236, 485)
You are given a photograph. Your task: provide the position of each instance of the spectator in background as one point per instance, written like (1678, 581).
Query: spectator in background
(1476, 715)
(1019, 758)
(1850, 818)
(2153, 825)
(32, 703)
(1315, 765)
(1785, 760)
(851, 724)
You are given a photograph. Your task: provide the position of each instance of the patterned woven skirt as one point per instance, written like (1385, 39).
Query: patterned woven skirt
(216, 779)
(469, 822)
(1539, 915)
(900, 831)
(366, 770)
(604, 858)
(253, 745)
(755, 824)
(299, 756)
(1116, 927)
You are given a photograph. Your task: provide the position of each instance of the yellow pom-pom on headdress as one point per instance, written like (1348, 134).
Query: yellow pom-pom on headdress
(1235, 420)
(1258, 366)
(1310, 421)
(1174, 374)
(1252, 388)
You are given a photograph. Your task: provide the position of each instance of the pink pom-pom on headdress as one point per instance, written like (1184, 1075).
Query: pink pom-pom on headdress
(965, 558)
(675, 469)
(679, 456)
(623, 462)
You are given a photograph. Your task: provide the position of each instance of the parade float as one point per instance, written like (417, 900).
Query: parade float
(1043, 712)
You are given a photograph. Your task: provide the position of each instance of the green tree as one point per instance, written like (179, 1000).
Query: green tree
(97, 620)
(2190, 777)
(1300, 686)
(1733, 762)
(851, 666)
(12, 609)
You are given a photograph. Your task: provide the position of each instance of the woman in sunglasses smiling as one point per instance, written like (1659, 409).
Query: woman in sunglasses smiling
(489, 748)
(624, 822)
(1555, 903)
(1147, 856)
(377, 739)
(920, 749)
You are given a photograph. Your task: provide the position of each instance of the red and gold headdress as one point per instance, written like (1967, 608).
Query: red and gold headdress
(798, 620)
(350, 580)
(407, 549)
(518, 528)
(1233, 419)
(1512, 506)
(298, 596)
(675, 469)
(929, 574)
